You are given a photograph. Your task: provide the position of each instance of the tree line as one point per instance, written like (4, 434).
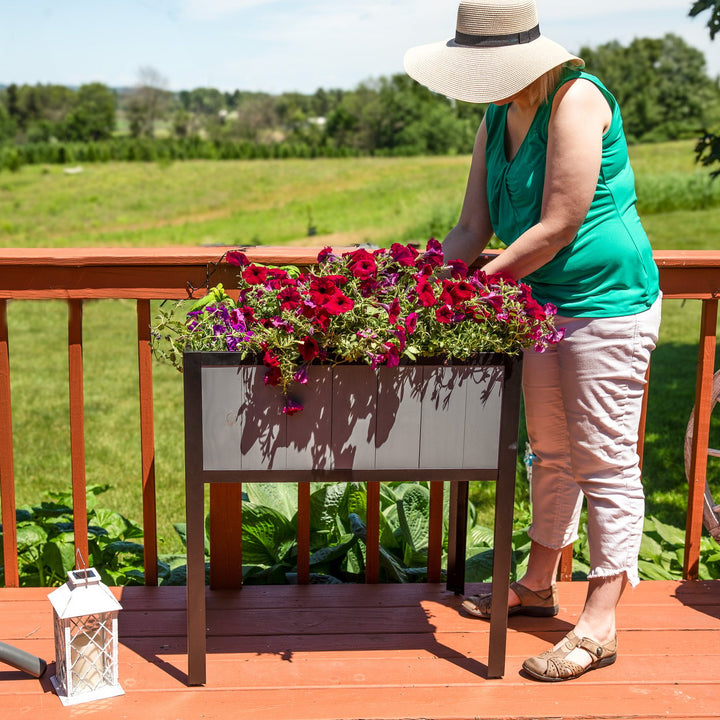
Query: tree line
(661, 84)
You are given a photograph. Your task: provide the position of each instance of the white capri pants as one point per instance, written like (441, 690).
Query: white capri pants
(583, 399)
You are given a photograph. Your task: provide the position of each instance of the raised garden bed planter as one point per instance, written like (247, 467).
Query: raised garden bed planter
(415, 422)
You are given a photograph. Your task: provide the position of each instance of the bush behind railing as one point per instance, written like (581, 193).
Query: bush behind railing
(46, 550)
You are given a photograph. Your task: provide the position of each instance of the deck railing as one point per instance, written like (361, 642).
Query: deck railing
(76, 275)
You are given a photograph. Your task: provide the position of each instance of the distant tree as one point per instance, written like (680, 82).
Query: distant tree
(256, 118)
(661, 84)
(93, 117)
(13, 106)
(149, 101)
(7, 125)
(206, 101)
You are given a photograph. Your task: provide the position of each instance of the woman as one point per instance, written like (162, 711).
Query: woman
(550, 177)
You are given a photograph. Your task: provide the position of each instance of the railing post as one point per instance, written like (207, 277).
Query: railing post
(7, 473)
(701, 438)
(77, 427)
(147, 443)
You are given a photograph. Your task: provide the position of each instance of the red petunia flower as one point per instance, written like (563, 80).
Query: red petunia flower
(273, 376)
(326, 255)
(432, 257)
(502, 275)
(411, 322)
(392, 355)
(269, 360)
(236, 258)
(254, 275)
(308, 349)
(322, 318)
(445, 314)
(461, 291)
(291, 406)
(403, 255)
(289, 298)
(339, 304)
(322, 290)
(275, 278)
(362, 264)
(459, 268)
(394, 311)
(426, 296)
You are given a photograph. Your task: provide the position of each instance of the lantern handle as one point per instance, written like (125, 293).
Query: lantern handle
(81, 564)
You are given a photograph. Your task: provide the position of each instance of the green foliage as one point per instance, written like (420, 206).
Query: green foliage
(45, 539)
(93, 117)
(338, 537)
(713, 22)
(669, 192)
(662, 553)
(661, 85)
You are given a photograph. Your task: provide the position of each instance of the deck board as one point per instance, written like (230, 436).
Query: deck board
(383, 651)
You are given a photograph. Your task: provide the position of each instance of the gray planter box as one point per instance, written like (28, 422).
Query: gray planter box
(354, 418)
(422, 422)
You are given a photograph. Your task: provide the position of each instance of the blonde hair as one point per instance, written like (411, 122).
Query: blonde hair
(539, 90)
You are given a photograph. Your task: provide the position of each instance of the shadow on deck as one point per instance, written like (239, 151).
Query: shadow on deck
(376, 651)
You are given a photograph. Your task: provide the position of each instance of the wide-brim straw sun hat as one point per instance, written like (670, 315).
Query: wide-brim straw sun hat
(497, 51)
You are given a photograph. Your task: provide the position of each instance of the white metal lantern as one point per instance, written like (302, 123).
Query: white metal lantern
(86, 639)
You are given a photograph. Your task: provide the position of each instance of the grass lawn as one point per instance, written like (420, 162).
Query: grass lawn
(270, 202)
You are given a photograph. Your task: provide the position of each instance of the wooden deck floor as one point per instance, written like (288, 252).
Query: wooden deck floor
(384, 651)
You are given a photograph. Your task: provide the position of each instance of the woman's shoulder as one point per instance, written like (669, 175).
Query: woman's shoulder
(582, 87)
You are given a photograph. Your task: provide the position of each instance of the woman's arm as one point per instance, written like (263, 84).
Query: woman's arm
(580, 117)
(473, 232)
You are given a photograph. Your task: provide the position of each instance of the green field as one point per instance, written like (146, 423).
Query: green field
(269, 203)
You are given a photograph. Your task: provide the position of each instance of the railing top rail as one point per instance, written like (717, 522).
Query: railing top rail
(89, 256)
(167, 272)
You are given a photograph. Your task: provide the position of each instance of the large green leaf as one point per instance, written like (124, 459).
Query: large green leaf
(325, 503)
(124, 546)
(266, 534)
(414, 517)
(670, 534)
(388, 498)
(30, 537)
(356, 500)
(478, 567)
(59, 557)
(282, 497)
(480, 535)
(652, 571)
(650, 548)
(112, 522)
(333, 552)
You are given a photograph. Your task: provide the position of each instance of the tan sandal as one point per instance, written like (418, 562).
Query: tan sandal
(553, 665)
(536, 603)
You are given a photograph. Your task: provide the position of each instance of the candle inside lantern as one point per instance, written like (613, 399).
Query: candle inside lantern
(87, 658)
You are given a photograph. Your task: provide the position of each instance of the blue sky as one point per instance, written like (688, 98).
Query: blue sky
(282, 45)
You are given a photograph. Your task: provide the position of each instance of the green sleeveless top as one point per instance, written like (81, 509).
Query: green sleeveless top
(608, 269)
